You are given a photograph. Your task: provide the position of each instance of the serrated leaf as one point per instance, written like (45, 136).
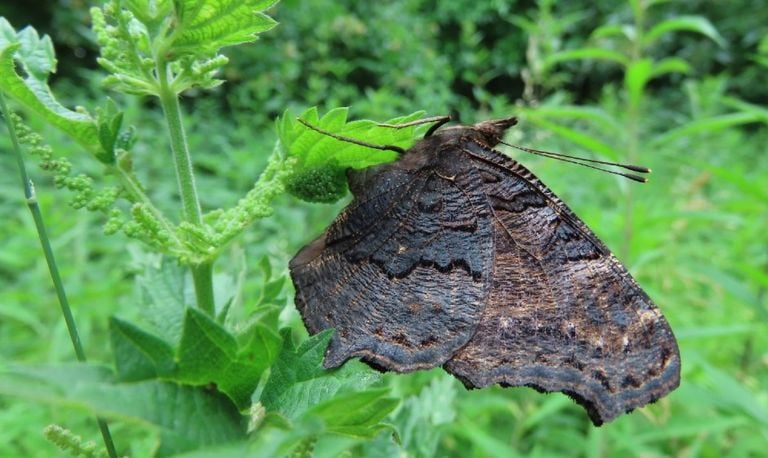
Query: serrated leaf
(138, 354)
(36, 57)
(204, 27)
(273, 289)
(208, 353)
(166, 293)
(422, 418)
(298, 380)
(323, 154)
(186, 418)
(109, 120)
(149, 12)
(294, 365)
(315, 149)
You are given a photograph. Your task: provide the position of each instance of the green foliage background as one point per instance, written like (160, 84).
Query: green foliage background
(694, 237)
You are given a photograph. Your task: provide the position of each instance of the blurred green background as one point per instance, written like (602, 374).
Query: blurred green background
(599, 78)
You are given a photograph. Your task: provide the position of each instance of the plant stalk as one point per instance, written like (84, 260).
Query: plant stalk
(42, 233)
(202, 274)
(634, 111)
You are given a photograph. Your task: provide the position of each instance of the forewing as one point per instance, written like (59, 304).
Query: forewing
(563, 314)
(403, 272)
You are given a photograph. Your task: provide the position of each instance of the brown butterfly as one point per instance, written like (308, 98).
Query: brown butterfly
(455, 255)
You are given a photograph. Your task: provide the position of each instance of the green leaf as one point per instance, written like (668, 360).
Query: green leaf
(696, 24)
(609, 30)
(298, 380)
(423, 419)
(319, 175)
(149, 12)
(757, 110)
(584, 54)
(268, 442)
(670, 65)
(591, 114)
(109, 120)
(36, 57)
(707, 125)
(260, 343)
(185, 417)
(166, 292)
(138, 354)
(483, 441)
(294, 365)
(356, 414)
(204, 27)
(638, 74)
(208, 353)
(580, 138)
(314, 149)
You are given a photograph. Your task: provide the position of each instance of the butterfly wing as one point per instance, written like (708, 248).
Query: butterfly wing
(563, 314)
(403, 272)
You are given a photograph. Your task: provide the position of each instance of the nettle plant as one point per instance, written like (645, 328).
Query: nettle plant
(197, 373)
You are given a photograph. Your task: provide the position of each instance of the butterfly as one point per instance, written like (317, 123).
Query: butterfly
(456, 255)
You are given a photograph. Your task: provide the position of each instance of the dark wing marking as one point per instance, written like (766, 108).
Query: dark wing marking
(374, 275)
(563, 314)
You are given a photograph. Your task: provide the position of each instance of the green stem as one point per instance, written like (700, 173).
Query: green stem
(42, 233)
(634, 111)
(202, 279)
(182, 160)
(185, 178)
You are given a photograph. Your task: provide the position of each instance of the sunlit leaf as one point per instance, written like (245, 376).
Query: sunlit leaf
(579, 138)
(697, 24)
(638, 74)
(584, 54)
(36, 57)
(208, 353)
(207, 26)
(706, 125)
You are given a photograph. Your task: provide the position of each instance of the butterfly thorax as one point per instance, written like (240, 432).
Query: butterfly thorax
(435, 146)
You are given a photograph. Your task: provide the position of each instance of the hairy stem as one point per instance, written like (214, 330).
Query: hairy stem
(185, 178)
(182, 160)
(42, 233)
(202, 279)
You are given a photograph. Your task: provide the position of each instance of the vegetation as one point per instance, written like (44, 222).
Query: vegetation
(177, 190)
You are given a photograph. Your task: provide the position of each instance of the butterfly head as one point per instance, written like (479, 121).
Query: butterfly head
(492, 132)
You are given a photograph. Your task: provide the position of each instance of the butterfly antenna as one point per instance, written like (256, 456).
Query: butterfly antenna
(355, 141)
(438, 120)
(586, 162)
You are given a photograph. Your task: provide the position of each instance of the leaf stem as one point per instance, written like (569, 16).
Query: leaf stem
(202, 274)
(42, 233)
